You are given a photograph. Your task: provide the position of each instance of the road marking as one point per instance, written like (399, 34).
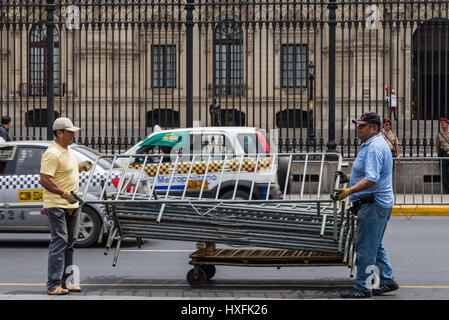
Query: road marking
(165, 251)
(22, 284)
(101, 284)
(425, 287)
(211, 285)
(149, 250)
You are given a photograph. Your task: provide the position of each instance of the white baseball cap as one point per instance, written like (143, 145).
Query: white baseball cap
(64, 124)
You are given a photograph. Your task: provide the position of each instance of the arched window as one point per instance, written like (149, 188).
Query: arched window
(166, 118)
(38, 61)
(292, 118)
(228, 59)
(38, 117)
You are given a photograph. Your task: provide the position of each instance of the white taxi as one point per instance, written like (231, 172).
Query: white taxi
(223, 154)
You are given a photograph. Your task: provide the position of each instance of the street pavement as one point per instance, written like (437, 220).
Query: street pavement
(417, 248)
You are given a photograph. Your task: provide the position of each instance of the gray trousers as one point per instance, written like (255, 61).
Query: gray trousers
(60, 250)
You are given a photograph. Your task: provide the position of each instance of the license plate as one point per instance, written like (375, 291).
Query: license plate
(31, 195)
(196, 185)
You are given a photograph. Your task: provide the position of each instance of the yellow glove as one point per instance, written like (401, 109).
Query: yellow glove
(84, 166)
(69, 197)
(340, 194)
(344, 177)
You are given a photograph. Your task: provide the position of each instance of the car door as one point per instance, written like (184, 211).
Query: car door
(24, 195)
(209, 147)
(7, 153)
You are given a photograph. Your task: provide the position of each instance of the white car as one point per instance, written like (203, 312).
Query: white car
(210, 147)
(21, 197)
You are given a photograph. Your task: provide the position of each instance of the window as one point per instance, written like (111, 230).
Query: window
(163, 117)
(28, 160)
(163, 61)
(294, 65)
(214, 144)
(430, 82)
(292, 118)
(37, 85)
(253, 143)
(228, 59)
(232, 117)
(7, 154)
(38, 117)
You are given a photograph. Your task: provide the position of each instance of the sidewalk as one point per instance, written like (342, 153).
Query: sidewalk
(420, 204)
(420, 210)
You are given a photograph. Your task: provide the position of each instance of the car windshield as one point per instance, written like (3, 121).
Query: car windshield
(104, 163)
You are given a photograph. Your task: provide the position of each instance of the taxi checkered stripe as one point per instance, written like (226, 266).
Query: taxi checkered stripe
(248, 164)
(31, 181)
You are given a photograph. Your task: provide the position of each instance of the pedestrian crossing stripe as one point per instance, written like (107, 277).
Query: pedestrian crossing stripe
(201, 167)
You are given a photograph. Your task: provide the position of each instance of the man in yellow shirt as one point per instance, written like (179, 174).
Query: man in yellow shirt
(59, 176)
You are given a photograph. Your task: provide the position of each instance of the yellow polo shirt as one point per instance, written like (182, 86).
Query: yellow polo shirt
(62, 165)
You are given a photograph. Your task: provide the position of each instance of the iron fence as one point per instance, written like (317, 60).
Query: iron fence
(417, 181)
(116, 68)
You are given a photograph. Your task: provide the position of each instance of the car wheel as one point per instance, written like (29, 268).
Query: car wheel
(89, 228)
(239, 195)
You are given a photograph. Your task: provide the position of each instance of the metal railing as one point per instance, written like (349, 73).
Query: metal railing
(417, 180)
(233, 200)
(347, 51)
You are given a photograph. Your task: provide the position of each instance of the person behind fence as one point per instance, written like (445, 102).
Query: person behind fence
(59, 176)
(371, 193)
(392, 101)
(4, 128)
(442, 148)
(390, 137)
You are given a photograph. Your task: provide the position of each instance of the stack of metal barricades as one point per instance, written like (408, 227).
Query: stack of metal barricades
(302, 217)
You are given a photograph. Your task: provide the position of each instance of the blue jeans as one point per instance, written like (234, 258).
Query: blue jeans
(371, 224)
(60, 255)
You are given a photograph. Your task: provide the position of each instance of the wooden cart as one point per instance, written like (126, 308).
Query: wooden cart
(208, 256)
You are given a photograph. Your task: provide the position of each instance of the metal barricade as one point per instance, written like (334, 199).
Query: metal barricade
(416, 180)
(249, 200)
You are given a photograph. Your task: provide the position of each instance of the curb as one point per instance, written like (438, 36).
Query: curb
(420, 210)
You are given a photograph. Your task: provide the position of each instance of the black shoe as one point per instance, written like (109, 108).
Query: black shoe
(386, 288)
(356, 294)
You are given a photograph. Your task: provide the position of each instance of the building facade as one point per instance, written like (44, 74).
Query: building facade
(120, 67)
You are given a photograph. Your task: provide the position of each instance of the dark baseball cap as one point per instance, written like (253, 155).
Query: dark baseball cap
(368, 117)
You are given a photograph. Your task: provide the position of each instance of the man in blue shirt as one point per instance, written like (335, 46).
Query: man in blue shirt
(371, 191)
(4, 128)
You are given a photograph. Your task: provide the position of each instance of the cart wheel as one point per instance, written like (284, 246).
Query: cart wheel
(198, 281)
(210, 270)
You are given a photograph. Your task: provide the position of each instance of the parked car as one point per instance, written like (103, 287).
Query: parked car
(198, 144)
(21, 199)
